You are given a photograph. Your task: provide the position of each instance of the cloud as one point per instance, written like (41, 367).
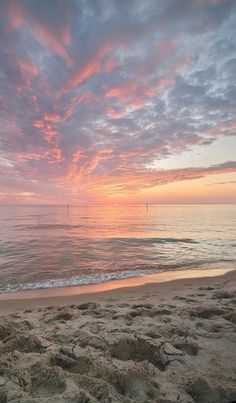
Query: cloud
(133, 183)
(221, 183)
(20, 15)
(94, 96)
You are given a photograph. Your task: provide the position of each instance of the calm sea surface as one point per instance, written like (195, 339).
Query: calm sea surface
(42, 247)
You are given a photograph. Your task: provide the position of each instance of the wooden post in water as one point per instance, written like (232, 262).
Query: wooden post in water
(68, 209)
(147, 206)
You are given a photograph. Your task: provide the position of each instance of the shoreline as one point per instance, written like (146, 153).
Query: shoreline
(60, 296)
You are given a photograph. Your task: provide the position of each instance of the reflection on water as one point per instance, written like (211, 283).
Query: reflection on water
(47, 247)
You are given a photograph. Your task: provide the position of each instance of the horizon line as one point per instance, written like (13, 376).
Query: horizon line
(112, 205)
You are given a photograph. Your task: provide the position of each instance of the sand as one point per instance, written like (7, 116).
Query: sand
(160, 342)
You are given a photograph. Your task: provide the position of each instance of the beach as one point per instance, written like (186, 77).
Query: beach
(117, 201)
(166, 341)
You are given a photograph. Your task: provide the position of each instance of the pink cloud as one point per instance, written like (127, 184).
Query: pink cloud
(87, 98)
(160, 86)
(52, 154)
(82, 166)
(134, 94)
(182, 62)
(19, 17)
(220, 129)
(64, 28)
(28, 71)
(15, 16)
(115, 114)
(28, 68)
(52, 117)
(47, 129)
(96, 63)
(123, 91)
(133, 182)
(79, 77)
(166, 47)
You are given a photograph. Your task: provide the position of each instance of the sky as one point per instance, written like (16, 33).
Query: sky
(117, 102)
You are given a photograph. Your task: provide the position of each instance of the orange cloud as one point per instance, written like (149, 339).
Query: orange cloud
(123, 185)
(53, 154)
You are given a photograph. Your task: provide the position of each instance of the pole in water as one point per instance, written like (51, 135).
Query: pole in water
(147, 206)
(68, 208)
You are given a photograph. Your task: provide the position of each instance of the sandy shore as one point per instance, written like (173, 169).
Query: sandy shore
(160, 342)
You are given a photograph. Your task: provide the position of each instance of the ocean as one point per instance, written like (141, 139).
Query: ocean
(53, 246)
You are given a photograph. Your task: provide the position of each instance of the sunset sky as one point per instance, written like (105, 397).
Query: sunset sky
(122, 101)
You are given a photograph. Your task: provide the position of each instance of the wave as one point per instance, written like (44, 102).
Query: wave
(105, 277)
(47, 226)
(113, 239)
(157, 240)
(74, 281)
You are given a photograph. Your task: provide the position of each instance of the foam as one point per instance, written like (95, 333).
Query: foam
(74, 281)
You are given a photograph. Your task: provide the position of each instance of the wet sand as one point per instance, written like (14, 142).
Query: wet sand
(160, 342)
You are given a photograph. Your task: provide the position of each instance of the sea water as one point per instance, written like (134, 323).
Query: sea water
(53, 246)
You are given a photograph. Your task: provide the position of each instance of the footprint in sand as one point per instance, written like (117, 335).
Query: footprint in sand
(144, 349)
(203, 391)
(78, 361)
(27, 343)
(223, 294)
(46, 381)
(207, 312)
(187, 345)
